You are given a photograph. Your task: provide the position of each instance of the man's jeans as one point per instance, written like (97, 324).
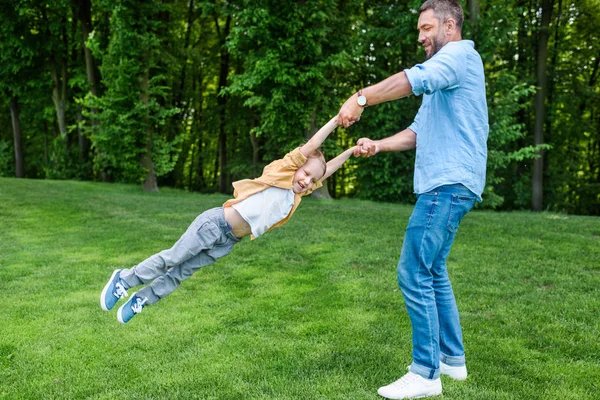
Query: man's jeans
(206, 240)
(423, 278)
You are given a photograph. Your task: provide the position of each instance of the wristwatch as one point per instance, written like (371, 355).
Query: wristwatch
(361, 100)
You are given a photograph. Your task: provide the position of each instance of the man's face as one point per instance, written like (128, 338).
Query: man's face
(431, 33)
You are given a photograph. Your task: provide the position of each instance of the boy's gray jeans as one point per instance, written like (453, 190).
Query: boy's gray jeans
(207, 239)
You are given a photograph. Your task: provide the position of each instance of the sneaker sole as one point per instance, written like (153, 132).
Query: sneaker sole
(455, 373)
(430, 394)
(103, 294)
(456, 378)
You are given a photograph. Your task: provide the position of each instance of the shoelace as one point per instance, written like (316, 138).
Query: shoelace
(120, 291)
(405, 381)
(138, 305)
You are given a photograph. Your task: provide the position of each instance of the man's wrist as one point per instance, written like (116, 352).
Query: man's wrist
(361, 99)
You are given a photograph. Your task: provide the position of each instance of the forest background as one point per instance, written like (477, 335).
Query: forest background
(196, 94)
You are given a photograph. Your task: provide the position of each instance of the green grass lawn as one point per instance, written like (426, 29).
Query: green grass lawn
(310, 310)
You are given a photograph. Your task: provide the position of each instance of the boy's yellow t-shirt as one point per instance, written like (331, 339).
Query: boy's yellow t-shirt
(280, 174)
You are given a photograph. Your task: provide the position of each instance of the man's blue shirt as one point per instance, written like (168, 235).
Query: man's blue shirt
(452, 123)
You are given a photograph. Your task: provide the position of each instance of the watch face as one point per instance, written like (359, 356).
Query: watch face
(362, 101)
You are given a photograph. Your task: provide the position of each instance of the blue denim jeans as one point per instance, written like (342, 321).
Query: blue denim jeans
(423, 278)
(206, 240)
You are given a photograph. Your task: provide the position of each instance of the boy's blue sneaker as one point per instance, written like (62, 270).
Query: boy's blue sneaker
(113, 291)
(128, 310)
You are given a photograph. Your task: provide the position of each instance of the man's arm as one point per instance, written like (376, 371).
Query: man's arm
(335, 163)
(319, 137)
(404, 140)
(392, 88)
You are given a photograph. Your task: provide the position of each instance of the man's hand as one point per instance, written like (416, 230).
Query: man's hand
(365, 147)
(350, 112)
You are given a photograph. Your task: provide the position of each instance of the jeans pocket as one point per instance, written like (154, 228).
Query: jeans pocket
(208, 235)
(459, 207)
(425, 209)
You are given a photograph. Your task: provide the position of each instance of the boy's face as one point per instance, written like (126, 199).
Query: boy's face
(306, 176)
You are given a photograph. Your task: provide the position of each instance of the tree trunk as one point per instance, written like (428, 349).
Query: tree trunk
(201, 182)
(540, 104)
(58, 70)
(18, 141)
(84, 14)
(552, 68)
(473, 9)
(188, 32)
(59, 94)
(473, 6)
(197, 123)
(224, 185)
(150, 184)
(84, 8)
(255, 153)
(81, 139)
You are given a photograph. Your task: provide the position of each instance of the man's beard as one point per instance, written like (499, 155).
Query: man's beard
(436, 45)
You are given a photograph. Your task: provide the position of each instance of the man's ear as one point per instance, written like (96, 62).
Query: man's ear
(449, 26)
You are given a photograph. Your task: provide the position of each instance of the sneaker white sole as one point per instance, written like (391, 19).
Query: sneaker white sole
(415, 387)
(120, 311)
(120, 314)
(456, 373)
(392, 397)
(103, 294)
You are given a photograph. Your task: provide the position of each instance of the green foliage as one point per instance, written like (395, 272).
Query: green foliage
(387, 176)
(244, 81)
(18, 47)
(573, 166)
(7, 159)
(290, 56)
(130, 113)
(383, 43)
(506, 100)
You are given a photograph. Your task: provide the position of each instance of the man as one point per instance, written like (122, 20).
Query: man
(450, 134)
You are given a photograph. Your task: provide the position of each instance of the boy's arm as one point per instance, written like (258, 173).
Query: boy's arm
(334, 164)
(319, 137)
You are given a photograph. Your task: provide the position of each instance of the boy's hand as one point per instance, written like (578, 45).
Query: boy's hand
(349, 113)
(366, 147)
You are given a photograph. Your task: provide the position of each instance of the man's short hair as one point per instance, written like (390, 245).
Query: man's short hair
(445, 10)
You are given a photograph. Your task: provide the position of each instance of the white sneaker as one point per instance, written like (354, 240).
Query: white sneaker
(411, 386)
(458, 373)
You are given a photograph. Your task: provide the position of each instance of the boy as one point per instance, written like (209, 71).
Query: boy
(258, 205)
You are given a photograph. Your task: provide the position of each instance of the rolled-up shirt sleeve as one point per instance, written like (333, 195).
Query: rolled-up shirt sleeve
(443, 71)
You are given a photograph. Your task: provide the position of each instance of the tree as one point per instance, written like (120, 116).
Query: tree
(17, 55)
(197, 93)
(18, 141)
(54, 25)
(290, 55)
(83, 12)
(540, 102)
(128, 141)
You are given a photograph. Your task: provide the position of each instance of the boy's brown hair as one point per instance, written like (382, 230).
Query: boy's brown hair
(318, 154)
